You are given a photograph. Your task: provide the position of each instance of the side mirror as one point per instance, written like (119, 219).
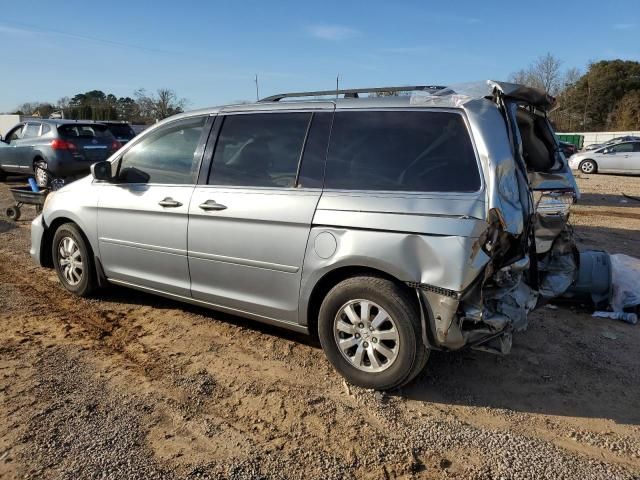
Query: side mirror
(102, 171)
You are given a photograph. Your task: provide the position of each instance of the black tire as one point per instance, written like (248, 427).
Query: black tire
(13, 213)
(41, 173)
(3, 176)
(87, 282)
(588, 166)
(390, 296)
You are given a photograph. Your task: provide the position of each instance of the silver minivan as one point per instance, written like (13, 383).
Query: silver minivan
(389, 224)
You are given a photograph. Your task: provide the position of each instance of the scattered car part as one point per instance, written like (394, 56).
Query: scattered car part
(593, 283)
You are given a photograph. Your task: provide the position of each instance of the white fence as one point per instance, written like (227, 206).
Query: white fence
(600, 137)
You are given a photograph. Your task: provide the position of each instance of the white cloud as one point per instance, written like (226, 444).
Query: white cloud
(333, 32)
(16, 31)
(624, 26)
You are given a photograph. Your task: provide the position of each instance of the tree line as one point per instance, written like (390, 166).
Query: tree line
(142, 108)
(606, 97)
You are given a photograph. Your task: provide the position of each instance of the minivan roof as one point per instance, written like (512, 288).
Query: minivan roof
(453, 96)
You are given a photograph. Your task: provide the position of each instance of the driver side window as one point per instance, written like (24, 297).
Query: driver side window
(622, 148)
(166, 156)
(15, 134)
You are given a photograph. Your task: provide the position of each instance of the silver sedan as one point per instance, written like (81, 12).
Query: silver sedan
(620, 158)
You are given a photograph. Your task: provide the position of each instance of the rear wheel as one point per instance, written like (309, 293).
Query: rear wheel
(41, 174)
(588, 166)
(73, 261)
(3, 176)
(370, 331)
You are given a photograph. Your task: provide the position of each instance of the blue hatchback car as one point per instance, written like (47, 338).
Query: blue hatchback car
(62, 148)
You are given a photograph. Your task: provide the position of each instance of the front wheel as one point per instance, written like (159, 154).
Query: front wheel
(588, 166)
(370, 331)
(73, 261)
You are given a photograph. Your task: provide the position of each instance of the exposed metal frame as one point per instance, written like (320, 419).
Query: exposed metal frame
(354, 92)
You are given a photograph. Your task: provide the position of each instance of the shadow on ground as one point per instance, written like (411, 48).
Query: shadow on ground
(123, 295)
(553, 369)
(608, 200)
(6, 225)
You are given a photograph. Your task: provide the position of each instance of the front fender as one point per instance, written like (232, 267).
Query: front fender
(76, 203)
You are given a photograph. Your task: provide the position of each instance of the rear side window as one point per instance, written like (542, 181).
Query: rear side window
(31, 130)
(401, 151)
(87, 131)
(259, 149)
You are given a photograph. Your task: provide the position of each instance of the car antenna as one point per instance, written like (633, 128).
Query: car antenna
(337, 85)
(257, 90)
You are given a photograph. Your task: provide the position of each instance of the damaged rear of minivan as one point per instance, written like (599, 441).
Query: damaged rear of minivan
(476, 257)
(527, 246)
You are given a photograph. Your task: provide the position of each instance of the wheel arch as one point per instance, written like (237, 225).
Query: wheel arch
(37, 157)
(331, 278)
(49, 233)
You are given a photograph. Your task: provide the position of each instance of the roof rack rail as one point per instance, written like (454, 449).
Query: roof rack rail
(354, 92)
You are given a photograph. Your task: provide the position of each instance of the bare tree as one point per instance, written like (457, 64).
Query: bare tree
(544, 73)
(571, 77)
(522, 77)
(161, 105)
(547, 75)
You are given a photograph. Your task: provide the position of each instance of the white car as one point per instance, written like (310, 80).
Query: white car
(619, 158)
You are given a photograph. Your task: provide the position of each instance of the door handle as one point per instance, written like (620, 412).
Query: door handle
(169, 202)
(212, 205)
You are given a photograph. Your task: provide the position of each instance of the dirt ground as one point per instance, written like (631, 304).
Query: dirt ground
(127, 385)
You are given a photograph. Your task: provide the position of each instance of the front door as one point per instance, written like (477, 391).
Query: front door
(11, 155)
(143, 215)
(248, 227)
(618, 158)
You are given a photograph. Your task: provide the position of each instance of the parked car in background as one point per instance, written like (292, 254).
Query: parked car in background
(63, 148)
(616, 158)
(567, 148)
(613, 141)
(387, 226)
(121, 130)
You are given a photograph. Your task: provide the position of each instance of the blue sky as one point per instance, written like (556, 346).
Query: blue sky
(209, 51)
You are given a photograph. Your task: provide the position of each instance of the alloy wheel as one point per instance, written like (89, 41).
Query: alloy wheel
(587, 167)
(42, 177)
(366, 335)
(70, 261)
